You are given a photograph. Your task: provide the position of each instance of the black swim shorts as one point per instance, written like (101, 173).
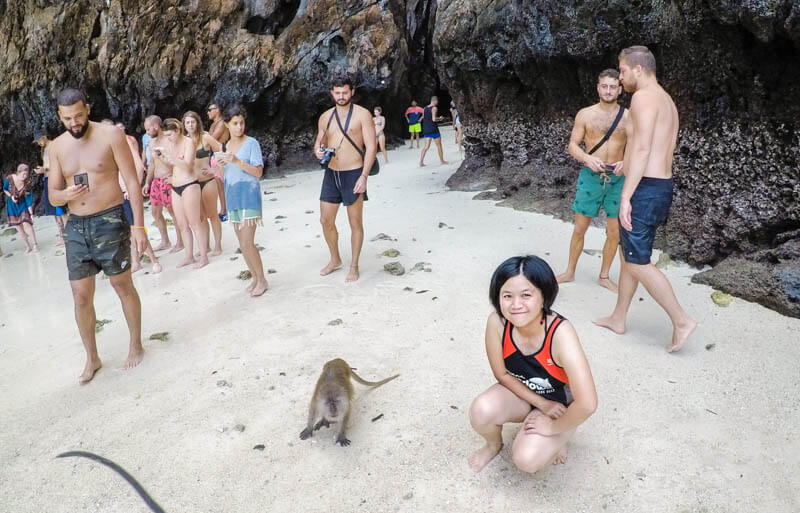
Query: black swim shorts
(337, 186)
(649, 208)
(98, 242)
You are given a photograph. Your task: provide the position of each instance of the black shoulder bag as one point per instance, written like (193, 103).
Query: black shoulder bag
(610, 130)
(376, 168)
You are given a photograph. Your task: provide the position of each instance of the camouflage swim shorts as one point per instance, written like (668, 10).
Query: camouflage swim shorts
(98, 242)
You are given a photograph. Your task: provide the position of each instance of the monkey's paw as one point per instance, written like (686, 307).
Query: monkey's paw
(306, 433)
(344, 442)
(322, 423)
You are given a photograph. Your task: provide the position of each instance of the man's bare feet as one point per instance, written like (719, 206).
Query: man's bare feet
(565, 277)
(29, 250)
(607, 283)
(680, 334)
(444, 162)
(333, 265)
(216, 252)
(352, 275)
(164, 245)
(135, 356)
(561, 457)
(259, 288)
(201, 263)
(483, 456)
(251, 286)
(184, 262)
(421, 164)
(176, 248)
(36, 248)
(611, 323)
(89, 370)
(157, 268)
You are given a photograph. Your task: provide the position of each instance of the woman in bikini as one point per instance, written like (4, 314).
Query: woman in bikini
(543, 377)
(19, 206)
(380, 124)
(243, 166)
(205, 146)
(178, 154)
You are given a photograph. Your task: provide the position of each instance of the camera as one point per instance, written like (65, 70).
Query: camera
(327, 153)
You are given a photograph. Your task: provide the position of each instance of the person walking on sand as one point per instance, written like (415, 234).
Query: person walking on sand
(647, 193)
(604, 127)
(430, 130)
(380, 126)
(243, 166)
(352, 137)
(58, 213)
(459, 129)
(85, 162)
(19, 206)
(414, 119)
(543, 377)
(157, 186)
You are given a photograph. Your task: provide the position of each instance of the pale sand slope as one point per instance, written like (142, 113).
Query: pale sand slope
(654, 444)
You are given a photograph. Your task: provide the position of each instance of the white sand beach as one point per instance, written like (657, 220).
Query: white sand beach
(703, 430)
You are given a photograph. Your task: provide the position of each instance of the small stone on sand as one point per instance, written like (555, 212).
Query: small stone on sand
(223, 383)
(664, 261)
(335, 322)
(245, 275)
(592, 252)
(394, 268)
(391, 253)
(709, 347)
(163, 336)
(422, 266)
(721, 298)
(98, 325)
(408, 289)
(442, 225)
(8, 231)
(280, 217)
(271, 271)
(233, 258)
(259, 447)
(239, 428)
(382, 236)
(309, 211)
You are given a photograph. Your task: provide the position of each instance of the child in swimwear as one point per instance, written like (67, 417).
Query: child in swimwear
(543, 377)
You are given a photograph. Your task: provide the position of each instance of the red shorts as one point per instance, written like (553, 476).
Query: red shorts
(160, 193)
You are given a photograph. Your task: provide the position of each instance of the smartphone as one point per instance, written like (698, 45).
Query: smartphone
(81, 179)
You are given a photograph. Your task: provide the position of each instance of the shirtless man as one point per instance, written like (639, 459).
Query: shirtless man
(219, 131)
(346, 174)
(157, 185)
(136, 264)
(84, 166)
(647, 193)
(600, 181)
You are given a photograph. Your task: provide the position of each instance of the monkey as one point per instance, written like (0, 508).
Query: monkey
(332, 397)
(151, 503)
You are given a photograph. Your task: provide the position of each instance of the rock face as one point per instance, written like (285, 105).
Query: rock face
(518, 70)
(737, 165)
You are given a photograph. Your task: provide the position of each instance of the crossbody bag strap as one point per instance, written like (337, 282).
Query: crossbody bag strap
(610, 130)
(344, 129)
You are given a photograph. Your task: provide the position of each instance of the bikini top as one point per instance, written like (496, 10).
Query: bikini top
(203, 153)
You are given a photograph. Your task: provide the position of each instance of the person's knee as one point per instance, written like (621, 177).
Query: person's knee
(123, 286)
(528, 461)
(82, 298)
(327, 222)
(483, 412)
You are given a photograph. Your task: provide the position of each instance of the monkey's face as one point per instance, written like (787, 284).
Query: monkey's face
(333, 407)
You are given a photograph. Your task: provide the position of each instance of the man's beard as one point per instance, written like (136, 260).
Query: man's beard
(81, 133)
(342, 103)
(609, 102)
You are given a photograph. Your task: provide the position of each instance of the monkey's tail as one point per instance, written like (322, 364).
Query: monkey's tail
(121, 471)
(371, 383)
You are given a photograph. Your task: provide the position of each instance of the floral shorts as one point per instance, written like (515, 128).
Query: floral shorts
(160, 195)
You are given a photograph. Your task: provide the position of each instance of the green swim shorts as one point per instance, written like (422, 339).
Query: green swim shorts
(594, 191)
(98, 242)
(415, 128)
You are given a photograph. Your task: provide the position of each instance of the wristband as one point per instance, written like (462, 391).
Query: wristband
(142, 228)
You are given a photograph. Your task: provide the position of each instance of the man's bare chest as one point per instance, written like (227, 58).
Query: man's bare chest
(85, 160)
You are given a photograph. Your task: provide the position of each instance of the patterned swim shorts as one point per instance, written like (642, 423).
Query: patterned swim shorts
(160, 193)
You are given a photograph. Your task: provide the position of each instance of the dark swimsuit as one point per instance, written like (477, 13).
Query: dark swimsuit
(203, 153)
(179, 188)
(538, 371)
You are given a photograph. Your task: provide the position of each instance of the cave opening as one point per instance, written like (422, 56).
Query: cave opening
(275, 22)
(444, 102)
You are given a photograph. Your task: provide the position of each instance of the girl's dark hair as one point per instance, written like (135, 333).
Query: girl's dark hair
(535, 271)
(231, 111)
(379, 109)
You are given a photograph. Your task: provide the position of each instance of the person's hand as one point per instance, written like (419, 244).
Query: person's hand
(625, 213)
(139, 238)
(223, 159)
(618, 168)
(75, 191)
(539, 424)
(158, 151)
(207, 173)
(595, 164)
(552, 409)
(168, 180)
(319, 153)
(361, 185)
(146, 190)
